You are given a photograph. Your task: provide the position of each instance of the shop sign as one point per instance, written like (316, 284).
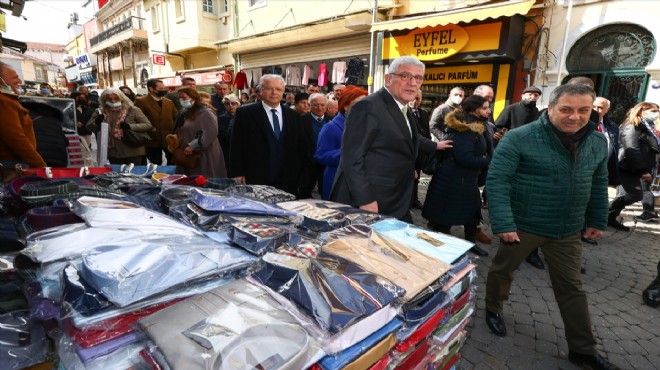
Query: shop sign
(480, 73)
(431, 43)
(158, 59)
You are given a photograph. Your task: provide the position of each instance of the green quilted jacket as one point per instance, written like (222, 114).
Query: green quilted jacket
(535, 186)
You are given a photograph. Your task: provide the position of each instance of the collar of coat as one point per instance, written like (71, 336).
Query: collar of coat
(458, 121)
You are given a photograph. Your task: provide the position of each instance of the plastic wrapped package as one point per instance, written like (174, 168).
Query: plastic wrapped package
(364, 353)
(90, 354)
(422, 306)
(411, 270)
(131, 271)
(352, 215)
(109, 329)
(236, 326)
(40, 307)
(202, 219)
(412, 358)
(303, 249)
(263, 193)
(85, 299)
(23, 341)
(445, 351)
(258, 238)
(460, 282)
(443, 247)
(332, 290)
(350, 232)
(408, 338)
(125, 357)
(101, 320)
(232, 203)
(456, 322)
(316, 217)
(171, 196)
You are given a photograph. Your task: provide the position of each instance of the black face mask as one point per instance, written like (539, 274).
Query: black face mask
(161, 93)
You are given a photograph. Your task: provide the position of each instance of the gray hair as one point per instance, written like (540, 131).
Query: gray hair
(269, 77)
(4, 66)
(480, 89)
(404, 61)
(580, 80)
(570, 90)
(232, 98)
(605, 100)
(457, 88)
(125, 101)
(316, 95)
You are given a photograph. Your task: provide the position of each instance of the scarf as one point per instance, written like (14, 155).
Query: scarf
(570, 141)
(114, 119)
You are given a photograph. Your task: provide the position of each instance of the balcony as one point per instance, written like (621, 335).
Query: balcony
(132, 28)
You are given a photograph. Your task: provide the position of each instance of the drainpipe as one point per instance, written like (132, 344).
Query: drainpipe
(372, 53)
(569, 15)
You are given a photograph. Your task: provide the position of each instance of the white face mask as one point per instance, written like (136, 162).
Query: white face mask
(652, 116)
(186, 103)
(6, 88)
(113, 105)
(456, 99)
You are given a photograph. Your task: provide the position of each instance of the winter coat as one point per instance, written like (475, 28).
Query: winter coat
(638, 149)
(161, 117)
(534, 184)
(205, 126)
(328, 151)
(453, 194)
(17, 139)
(516, 115)
(116, 148)
(51, 141)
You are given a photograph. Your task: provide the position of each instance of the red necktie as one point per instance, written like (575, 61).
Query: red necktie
(600, 129)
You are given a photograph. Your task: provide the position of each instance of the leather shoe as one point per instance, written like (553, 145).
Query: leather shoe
(535, 260)
(589, 240)
(482, 237)
(478, 251)
(495, 323)
(595, 361)
(651, 294)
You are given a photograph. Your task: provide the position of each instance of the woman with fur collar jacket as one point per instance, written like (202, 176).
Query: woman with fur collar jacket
(453, 195)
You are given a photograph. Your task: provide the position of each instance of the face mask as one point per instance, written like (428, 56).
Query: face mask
(113, 105)
(652, 116)
(186, 103)
(45, 91)
(456, 100)
(6, 88)
(161, 93)
(529, 102)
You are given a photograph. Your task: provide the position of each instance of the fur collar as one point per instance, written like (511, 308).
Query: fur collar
(457, 120)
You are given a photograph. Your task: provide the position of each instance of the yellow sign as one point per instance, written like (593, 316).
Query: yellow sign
(433, 43)
(430, 43)
(460, 74)
(3, 25)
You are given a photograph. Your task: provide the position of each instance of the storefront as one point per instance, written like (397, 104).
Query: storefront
(462, 53)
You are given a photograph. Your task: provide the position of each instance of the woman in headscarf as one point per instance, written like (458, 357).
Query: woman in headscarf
(118, 111)
(328, 148)
(197, 131)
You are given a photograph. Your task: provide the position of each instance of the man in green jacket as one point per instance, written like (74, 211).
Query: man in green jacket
(546, 181)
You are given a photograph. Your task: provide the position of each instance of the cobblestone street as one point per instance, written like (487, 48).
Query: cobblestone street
(617, 270)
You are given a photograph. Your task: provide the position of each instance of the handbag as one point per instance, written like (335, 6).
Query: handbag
(432, 162)
(135, 139)
(186, 161)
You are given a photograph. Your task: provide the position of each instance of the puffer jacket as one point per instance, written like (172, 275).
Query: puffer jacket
(638, 149)
(453, 194)
(116, 148)
(534, 184)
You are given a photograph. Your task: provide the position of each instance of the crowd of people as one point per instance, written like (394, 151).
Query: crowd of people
(543, 175)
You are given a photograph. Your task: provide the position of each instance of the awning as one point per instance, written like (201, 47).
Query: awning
(506, 9)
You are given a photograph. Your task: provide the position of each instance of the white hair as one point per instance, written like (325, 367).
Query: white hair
(316, 95)
(270, 76)
(404, 61)
(125, 101)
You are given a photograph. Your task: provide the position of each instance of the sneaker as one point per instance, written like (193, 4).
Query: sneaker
(612, 221)
(594, 362)
(647, 217)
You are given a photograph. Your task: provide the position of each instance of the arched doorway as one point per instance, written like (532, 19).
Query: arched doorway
(614, 57)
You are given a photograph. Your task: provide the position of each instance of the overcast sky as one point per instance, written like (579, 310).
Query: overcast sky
(47, 21)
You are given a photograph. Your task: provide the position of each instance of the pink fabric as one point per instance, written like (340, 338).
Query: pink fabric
(307, 71)
(323, 75)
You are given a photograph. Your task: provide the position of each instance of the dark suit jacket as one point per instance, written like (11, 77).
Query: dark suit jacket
(422, 123)
(249, 151)
(613, 158)
(378, 156)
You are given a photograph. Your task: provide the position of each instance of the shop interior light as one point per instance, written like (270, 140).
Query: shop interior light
(473, 61)
(439, 63)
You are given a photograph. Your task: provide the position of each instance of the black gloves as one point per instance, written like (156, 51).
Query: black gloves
(125, 125)
(99, 119)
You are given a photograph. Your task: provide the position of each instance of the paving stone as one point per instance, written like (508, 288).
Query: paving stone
(546, 332)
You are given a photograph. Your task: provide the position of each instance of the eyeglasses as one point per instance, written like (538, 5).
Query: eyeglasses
(405, 77)
(230, 103)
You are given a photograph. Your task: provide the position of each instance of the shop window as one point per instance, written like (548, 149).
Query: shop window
(155, 19)
(256, 3)
(208, 6)
(179, 11)
(612, 47)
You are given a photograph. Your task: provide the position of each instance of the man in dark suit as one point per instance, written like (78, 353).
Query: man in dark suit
(380, 144)
(269, 145)
(313, 122)
(611, 132)
(217, 98)
(422, 123)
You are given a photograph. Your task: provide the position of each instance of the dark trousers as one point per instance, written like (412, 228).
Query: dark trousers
(470, 231)
(314, 177)
(155, 155)
(137, 160)
(564, 258)
(630, 192)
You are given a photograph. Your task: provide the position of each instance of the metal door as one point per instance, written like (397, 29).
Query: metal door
(624, 90)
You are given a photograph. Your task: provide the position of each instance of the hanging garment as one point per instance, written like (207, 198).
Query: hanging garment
(237, 326)
(307, 72)
(339, 72)
(241, 81)
(354, 71)
(293, 75)
(323, 75)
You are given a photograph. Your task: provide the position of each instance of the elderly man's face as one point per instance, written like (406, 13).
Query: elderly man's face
(221, 89)
(11, 78)
(319, 105)
(404, 84)
(333, 108)
(417, 102)
(602, 107)
(571, 112)
(272, 91)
